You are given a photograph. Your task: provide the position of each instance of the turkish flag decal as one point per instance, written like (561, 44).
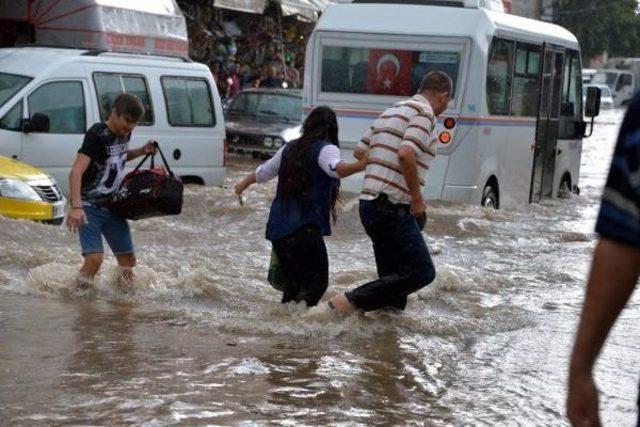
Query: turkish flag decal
(389, 72)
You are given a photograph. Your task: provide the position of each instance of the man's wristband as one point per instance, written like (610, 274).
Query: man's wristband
(77, 207)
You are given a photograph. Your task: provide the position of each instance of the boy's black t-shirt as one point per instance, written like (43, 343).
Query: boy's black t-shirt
(108, 153)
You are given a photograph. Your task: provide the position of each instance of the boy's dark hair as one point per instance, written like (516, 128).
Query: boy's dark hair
(436, 81)
(129, 105)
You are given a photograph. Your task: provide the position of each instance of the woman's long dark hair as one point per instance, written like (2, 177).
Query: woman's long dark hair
(320, 125)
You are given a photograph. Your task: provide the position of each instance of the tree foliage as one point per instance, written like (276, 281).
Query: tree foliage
(611, 26)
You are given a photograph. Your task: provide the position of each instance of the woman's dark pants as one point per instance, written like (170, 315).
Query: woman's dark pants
(402, 258)
(303, 257)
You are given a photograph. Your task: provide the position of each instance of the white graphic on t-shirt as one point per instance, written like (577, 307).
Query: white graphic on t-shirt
(113, 173)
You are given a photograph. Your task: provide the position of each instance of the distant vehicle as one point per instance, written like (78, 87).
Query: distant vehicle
(622, 75)
(587, 75)
(513, 131)
(606, 99)
(49, 97)
(29, 193)
(260, 121)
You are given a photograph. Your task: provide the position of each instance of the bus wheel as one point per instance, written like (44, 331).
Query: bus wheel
(489, 197)
(564, 192)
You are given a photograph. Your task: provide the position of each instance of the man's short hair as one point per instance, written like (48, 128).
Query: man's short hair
(436, 81)
(129, 105)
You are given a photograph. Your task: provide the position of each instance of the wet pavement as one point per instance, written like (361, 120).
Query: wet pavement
(204, 340)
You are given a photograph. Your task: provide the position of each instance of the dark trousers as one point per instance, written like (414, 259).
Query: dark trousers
(402, 258)
(303, 257)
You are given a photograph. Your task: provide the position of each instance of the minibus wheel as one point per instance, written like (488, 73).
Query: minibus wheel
(490, 197)
(564, 192)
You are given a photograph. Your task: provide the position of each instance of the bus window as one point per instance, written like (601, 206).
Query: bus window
(557, 85)
(499, 72)
(571, 109)
(526, 81)
(382, 71)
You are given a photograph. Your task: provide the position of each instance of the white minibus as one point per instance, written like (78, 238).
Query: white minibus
(513, 131)
(49, 97)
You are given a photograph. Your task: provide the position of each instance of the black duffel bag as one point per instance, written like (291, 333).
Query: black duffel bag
(146, 193)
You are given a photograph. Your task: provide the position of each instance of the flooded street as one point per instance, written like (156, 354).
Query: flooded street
(204, 340)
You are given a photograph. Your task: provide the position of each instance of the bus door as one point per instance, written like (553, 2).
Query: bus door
(548, 123)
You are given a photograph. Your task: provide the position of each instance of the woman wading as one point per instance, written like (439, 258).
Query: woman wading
(309, 172)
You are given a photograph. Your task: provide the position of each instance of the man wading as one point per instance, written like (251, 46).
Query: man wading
(392, 209)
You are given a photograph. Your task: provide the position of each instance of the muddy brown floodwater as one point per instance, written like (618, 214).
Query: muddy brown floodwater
(204, 340)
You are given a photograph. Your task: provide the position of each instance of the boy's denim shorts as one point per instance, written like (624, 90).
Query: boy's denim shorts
(101, 222)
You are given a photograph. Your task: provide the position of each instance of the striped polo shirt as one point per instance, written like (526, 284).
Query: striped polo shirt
(408, 123)
(619, 217)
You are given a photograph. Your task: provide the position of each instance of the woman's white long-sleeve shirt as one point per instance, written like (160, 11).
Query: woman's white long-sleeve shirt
(328, 160)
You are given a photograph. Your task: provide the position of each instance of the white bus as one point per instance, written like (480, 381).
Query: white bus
(513, 131)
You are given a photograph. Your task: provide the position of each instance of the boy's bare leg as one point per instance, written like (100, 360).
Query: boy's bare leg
(84, 279)
(126, 262)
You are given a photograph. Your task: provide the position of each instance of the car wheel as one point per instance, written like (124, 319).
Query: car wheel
(489, 197)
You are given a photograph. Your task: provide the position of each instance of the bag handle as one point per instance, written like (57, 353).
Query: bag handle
(153, 156)
(164, 160)
(144, 159)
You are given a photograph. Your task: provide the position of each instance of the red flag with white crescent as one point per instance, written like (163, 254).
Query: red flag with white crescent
(389, 72)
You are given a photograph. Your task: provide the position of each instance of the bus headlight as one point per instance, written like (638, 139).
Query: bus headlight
(14, 189)
(277, 142)
(268, 142)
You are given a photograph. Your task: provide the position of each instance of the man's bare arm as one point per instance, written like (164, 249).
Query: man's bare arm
(614, 274)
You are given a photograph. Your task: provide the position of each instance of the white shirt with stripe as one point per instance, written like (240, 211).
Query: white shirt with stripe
(408, 123)
(328, 160)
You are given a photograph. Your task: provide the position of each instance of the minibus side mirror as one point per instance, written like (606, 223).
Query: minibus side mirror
(592, 107)
(37, 123)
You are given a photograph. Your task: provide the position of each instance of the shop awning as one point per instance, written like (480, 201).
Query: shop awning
(308, 9)
(249, 6)
(149, 26)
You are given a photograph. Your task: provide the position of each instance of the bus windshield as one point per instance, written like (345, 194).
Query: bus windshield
(357, 70)
(10, 84)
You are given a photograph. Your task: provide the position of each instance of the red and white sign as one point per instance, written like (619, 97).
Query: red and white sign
(389, 72)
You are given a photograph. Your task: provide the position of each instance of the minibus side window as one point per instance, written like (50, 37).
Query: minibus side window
(499, 80)
(13, 118)
(110, 85)
(62, 104)
(571, 107)
(526, 81)
(188, 102)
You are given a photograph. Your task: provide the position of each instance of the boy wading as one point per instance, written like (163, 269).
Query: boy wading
(95, 176)
(392, 209)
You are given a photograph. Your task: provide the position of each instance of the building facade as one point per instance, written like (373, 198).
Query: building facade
(536, 9)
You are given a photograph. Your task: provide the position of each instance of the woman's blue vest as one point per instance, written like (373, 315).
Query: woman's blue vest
(288, 215)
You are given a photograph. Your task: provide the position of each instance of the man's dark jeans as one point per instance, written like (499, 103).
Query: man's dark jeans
(303, 257)
(402, 258)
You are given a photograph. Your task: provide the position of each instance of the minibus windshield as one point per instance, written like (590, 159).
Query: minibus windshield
(10, 84)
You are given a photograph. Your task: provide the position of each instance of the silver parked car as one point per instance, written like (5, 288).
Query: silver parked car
(260, 121)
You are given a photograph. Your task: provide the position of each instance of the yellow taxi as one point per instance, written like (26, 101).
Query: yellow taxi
(28, 192)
